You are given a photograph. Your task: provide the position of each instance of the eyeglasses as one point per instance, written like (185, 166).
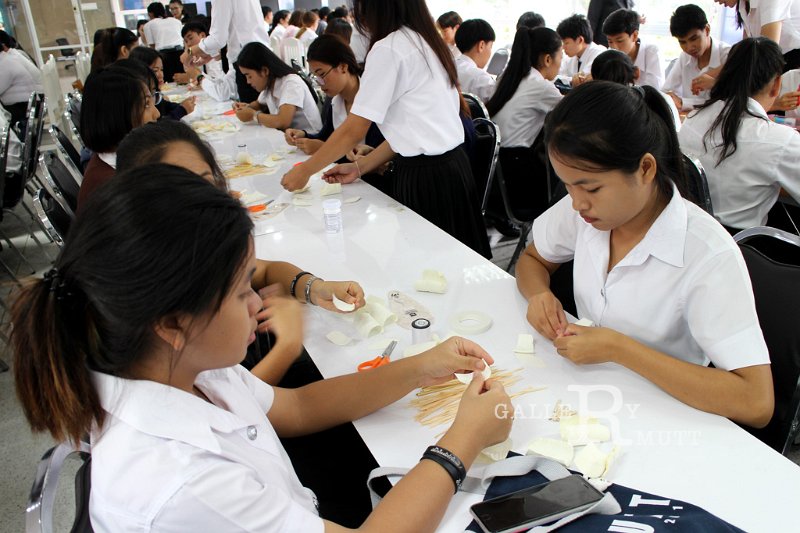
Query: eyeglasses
(320, 80)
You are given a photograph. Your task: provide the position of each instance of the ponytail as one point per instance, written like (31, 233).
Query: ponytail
(107, 43)
(529, 45)
(752, 65)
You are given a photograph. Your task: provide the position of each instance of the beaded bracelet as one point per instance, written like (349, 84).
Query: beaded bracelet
(311, 280)
(293, 286)
(449, 461)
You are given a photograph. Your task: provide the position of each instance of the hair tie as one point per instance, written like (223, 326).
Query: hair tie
(57, 285)
(639, 89)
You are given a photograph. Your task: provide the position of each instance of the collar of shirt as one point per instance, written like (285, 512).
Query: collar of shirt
(756, 108)
(166, 412)
(713, 60)
(109, 158)
(464, 58)
(534, 74)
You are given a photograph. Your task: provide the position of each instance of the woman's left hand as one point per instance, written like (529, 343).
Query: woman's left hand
(787, 102)
(189, 104)
(245, 113)
(348, 291)
(295, 179)
(456, 354)
(589, 345)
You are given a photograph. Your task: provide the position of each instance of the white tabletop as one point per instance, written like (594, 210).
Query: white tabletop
(667, 448)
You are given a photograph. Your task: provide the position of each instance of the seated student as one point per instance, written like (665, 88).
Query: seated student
(747, 157)
(115, 101)
(210, 77)
(295, 23)
(448, 24)
(700, 54)
(663, 281)
(474, 40)
(112, 44)
(281, 24)
(153, 60)
(182, 437)
(789, 99)
(530, 20)
(175, 143)
(285, 100)
(20, 78)
(622, 30)
(576, 34)
(613, 65)
(309, 30)
(341, 28)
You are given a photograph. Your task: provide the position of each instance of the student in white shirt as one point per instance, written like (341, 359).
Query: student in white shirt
(281, 22)
(580, 49)
(448, 24)
(410, 90)
(613, 65)
(19, 79)
(747, 157)
(14, 161)
(112, 44)
(163, 33)
(193, 33)
(700, 54)
(182, 437)
(284, 99)
(474, 40)
(663, 281)
(295, 23)
(309, 30)
(622, 30)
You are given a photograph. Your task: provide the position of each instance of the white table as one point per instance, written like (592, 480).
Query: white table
(669, 449)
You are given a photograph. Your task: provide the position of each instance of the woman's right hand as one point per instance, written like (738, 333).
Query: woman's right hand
(546, 314)
(291, 135)
(485, 414)
(283, 316)
(345, 173)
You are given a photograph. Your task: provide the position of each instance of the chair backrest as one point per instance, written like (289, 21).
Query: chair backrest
(294, 49)
(773, 261)
(39, 511)
(72, 115)
(484, 160)
(498, 62)
(275, 44)
(522, 177)
(60, 181)
(5, 142)
(65, 52)
(476, 107)
(54, 218)
(33, 135)
(65, 147)
(698, 184)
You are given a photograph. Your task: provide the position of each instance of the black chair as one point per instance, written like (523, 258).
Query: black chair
(67, 54)
(72, 114)
(67, 149)
(476, 107)
(484, 160)
(33, 136)
(698, 184)
(60, 181)
(52, 215)
(773, 261)
(39, 510)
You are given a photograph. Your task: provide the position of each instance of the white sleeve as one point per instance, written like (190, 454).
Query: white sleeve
(221, 89)
(555, 232)
(774, 11)
(148, 34)
(724, 50)
(217, 36)
(293, 92)
(787, 165)
(674, 81)
(655, 72)
(548, 99)
(227, 496)
(378, 85)
(721, 313)
(485, 86)
(263, 393)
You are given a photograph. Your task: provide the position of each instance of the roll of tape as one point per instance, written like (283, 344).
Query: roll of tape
(470, 322)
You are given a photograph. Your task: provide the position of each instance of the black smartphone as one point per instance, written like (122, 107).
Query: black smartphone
(534, 506)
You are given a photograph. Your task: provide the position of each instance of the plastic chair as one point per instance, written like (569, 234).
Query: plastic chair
(476, 107)
(773, 261)
(294, 49)
(52, 215)
(698, 183)
(59, 180)
(39, 510)
(70, 156)
(498, 62)
(275, 44)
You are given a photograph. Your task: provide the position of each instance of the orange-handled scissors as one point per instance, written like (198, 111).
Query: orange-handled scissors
(382, 359)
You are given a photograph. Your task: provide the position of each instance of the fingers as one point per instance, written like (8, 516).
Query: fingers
(474, 351)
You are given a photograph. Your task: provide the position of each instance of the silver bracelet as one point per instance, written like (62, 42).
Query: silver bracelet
(311, 280)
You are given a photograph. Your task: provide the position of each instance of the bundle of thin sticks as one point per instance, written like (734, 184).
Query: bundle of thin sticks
(438, 404)
(241, 171)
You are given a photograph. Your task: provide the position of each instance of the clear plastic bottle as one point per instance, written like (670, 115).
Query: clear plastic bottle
(332, 211)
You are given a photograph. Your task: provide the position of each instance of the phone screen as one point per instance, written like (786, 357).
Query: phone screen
(532, 506)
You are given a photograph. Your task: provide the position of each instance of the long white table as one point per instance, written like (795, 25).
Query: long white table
(667, 448)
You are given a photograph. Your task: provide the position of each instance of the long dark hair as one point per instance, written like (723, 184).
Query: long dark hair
(529, 45)
(256, 56)
(379, 18)
(107, 44)
(752, 64)
(605, 126)
(148, 144)
(146, 55)
(155, 242)
(333, 51)
(613, 65)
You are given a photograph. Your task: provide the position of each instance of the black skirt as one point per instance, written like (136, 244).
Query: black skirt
(441, 189)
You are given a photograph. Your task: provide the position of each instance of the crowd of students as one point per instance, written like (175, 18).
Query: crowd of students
(157, 295)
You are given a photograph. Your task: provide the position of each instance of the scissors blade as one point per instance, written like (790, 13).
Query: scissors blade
(389, 349)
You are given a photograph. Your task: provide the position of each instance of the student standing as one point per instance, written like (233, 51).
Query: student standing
(164, 34)
(474, 40)
(747, 157)
(700, 54)
(410, 89)
(622, 30)
(663, 281)
(580, 49)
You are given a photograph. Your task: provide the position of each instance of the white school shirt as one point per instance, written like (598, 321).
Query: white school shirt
(790, 82)
(679, 79)
(522, 118)
(683, 289)
(648, 60)
(745, 185)
(676, 115)
(569, 65)
(292, 90)
(167, 460)
(19, 78)
(307, 38)
(473, 79)
(406, 92)
(14, 161)
(763, 12)
(164, 33)
(235, 23)
(223, 88)
(359, 43)
(278, 32)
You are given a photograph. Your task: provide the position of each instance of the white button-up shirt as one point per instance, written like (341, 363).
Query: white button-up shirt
(521, 119)
(574, 65)
(167, 460)
(648, 61)
(292, 90)
(164, 33)
(685, 69)
(19, 79)
(473, 79)
(235, 23)
(763, 12)
(683, 289)
(746, 184)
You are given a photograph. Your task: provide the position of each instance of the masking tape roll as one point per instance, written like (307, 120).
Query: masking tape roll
(470, 322)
